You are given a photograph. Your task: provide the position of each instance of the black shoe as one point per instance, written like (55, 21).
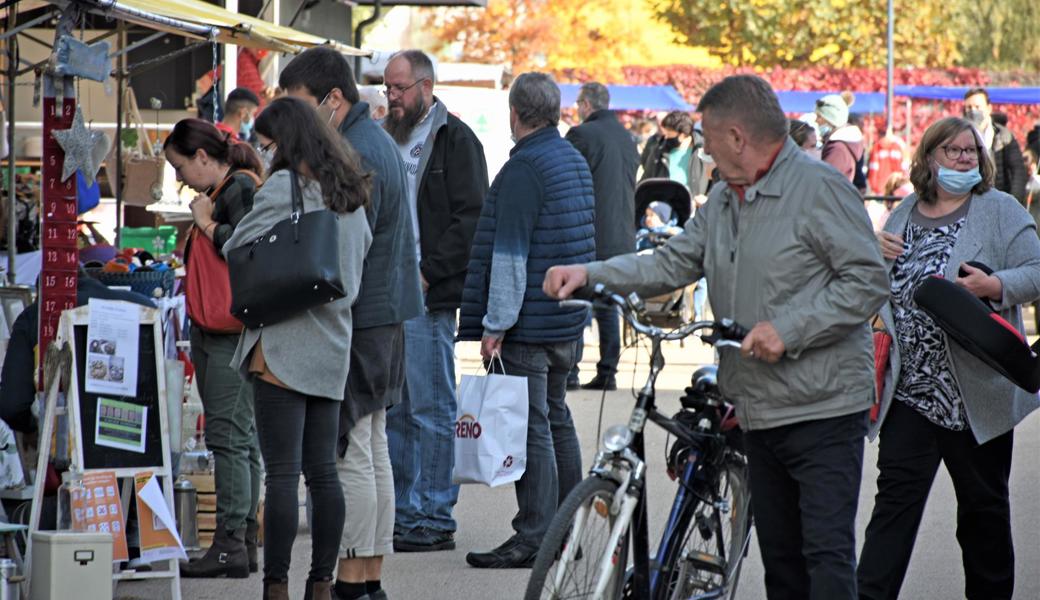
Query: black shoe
(226, 557)
(424, 539)
(601, 382)
(573, 383)
(510, 555)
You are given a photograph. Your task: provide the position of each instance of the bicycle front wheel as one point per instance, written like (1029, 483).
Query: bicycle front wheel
(714, 544)
(570, 561)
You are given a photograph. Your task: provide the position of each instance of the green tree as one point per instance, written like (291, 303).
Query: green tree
(798, 33)
(1001, 33)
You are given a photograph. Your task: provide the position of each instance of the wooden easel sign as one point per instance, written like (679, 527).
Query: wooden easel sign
(116, 404)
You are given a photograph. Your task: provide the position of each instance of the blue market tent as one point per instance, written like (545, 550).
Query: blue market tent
(805, 102)
(631, 97)
(997, 95)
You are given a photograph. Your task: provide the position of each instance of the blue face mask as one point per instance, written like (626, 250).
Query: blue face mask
(245, 130)
(958, 182)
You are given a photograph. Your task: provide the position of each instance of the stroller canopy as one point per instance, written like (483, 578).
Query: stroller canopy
(672, 193)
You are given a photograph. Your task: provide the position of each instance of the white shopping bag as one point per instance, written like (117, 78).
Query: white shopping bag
(491, 429)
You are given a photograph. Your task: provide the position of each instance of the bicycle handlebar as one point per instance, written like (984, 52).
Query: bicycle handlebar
(725, 332)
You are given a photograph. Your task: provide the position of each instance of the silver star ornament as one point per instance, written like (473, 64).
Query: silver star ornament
(84, 148)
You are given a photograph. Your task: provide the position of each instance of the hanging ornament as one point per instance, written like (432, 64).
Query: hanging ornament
(84, 148)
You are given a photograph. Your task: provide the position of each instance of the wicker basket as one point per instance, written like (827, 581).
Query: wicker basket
(153, 284)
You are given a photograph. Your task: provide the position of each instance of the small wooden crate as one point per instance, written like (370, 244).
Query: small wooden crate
(206, 513)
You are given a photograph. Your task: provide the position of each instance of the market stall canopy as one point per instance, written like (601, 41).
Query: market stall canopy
(207, 20)
(631, 97)
(805, 102)
(997, 95)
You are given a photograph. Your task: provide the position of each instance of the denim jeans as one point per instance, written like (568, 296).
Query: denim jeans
(608, 325)
(421, 429)
(553, 452)
(700, 298)
(299, 433)
(227, 403)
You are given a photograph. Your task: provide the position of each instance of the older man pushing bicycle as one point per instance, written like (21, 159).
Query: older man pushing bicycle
(786, 244)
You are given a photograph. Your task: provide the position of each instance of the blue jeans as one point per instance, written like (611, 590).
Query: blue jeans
(421, 429)
(700, 297)
(608, 324)
(553, 452)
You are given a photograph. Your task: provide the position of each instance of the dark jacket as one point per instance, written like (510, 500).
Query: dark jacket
(654, 160)
(18, 378)
(453, 181)
(538, 214)
(390, 289)
(613, 160)
(233, 203)
(1011, 175)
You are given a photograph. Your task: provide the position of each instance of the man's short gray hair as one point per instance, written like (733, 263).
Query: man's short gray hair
(536, 98)
(420, 63)
(750, 100)
(596, 94)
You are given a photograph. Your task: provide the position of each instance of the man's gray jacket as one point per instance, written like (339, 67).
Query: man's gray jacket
(799, 253)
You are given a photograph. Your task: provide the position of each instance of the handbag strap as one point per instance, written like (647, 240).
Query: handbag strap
(297, 205)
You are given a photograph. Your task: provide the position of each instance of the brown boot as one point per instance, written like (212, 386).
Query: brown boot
(252, 530)
(318, 590)
(226, 557)
(276, 590)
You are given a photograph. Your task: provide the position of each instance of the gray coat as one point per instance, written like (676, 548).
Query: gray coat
(999, 233)
(309, 352)
(799, 253)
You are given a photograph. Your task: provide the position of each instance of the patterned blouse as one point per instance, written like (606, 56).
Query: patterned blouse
(926, 381)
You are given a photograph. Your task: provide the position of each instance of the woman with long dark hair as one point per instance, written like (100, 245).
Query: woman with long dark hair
(226, 173)
(940, 404)
(299, 366)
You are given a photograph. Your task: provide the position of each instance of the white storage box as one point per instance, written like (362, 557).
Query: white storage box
(67, 564)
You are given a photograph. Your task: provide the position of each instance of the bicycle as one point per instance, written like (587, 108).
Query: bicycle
(584, 553)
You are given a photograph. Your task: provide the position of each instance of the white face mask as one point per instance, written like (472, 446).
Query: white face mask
(815, 153)
(705, 157)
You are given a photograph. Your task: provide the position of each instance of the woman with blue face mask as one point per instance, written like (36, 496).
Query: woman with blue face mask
(939, 404)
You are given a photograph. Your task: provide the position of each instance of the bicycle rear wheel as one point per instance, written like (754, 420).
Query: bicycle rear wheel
(708, 564)
(569, 559)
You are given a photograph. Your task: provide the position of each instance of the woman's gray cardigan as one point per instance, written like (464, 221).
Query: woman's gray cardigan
(309, 352)
(999, 233)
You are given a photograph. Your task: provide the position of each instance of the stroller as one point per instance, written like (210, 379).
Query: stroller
(662, 207)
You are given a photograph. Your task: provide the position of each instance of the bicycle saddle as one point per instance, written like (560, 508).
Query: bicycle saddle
(980, 330)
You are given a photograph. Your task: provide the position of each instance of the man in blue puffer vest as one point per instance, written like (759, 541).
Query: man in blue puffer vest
(538, 213)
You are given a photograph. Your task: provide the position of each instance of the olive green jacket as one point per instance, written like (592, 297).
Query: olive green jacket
(800, 253)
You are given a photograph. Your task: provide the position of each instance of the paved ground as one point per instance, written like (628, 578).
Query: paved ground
(484, 514)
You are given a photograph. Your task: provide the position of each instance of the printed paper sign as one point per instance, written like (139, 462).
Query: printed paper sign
(159, 537)
(120, 425)
(113, 334)
(98, 509)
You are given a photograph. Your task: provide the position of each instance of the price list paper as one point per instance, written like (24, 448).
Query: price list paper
(58, 230)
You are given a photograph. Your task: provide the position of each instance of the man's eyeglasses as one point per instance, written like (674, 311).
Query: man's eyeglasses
(397, 90)
(954, 152)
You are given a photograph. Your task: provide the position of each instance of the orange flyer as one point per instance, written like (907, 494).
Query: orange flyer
(98, 508)
(159, 539)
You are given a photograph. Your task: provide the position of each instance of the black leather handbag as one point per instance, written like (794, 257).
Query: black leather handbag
(291, 268)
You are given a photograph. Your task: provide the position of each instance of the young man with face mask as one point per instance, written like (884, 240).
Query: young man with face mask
(390, 295)
(1011, 175)
(239, 114)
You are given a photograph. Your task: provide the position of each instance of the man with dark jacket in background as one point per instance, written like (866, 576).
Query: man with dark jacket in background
(613, 160)
(1011, 176)
(447, 182)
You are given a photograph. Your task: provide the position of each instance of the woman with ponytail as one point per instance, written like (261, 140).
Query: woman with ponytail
(226, 174)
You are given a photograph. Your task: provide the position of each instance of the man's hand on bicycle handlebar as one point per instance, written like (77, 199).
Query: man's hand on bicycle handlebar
(763, 343)
(561, 281)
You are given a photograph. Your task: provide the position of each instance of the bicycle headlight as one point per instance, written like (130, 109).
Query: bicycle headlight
(617, 438)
